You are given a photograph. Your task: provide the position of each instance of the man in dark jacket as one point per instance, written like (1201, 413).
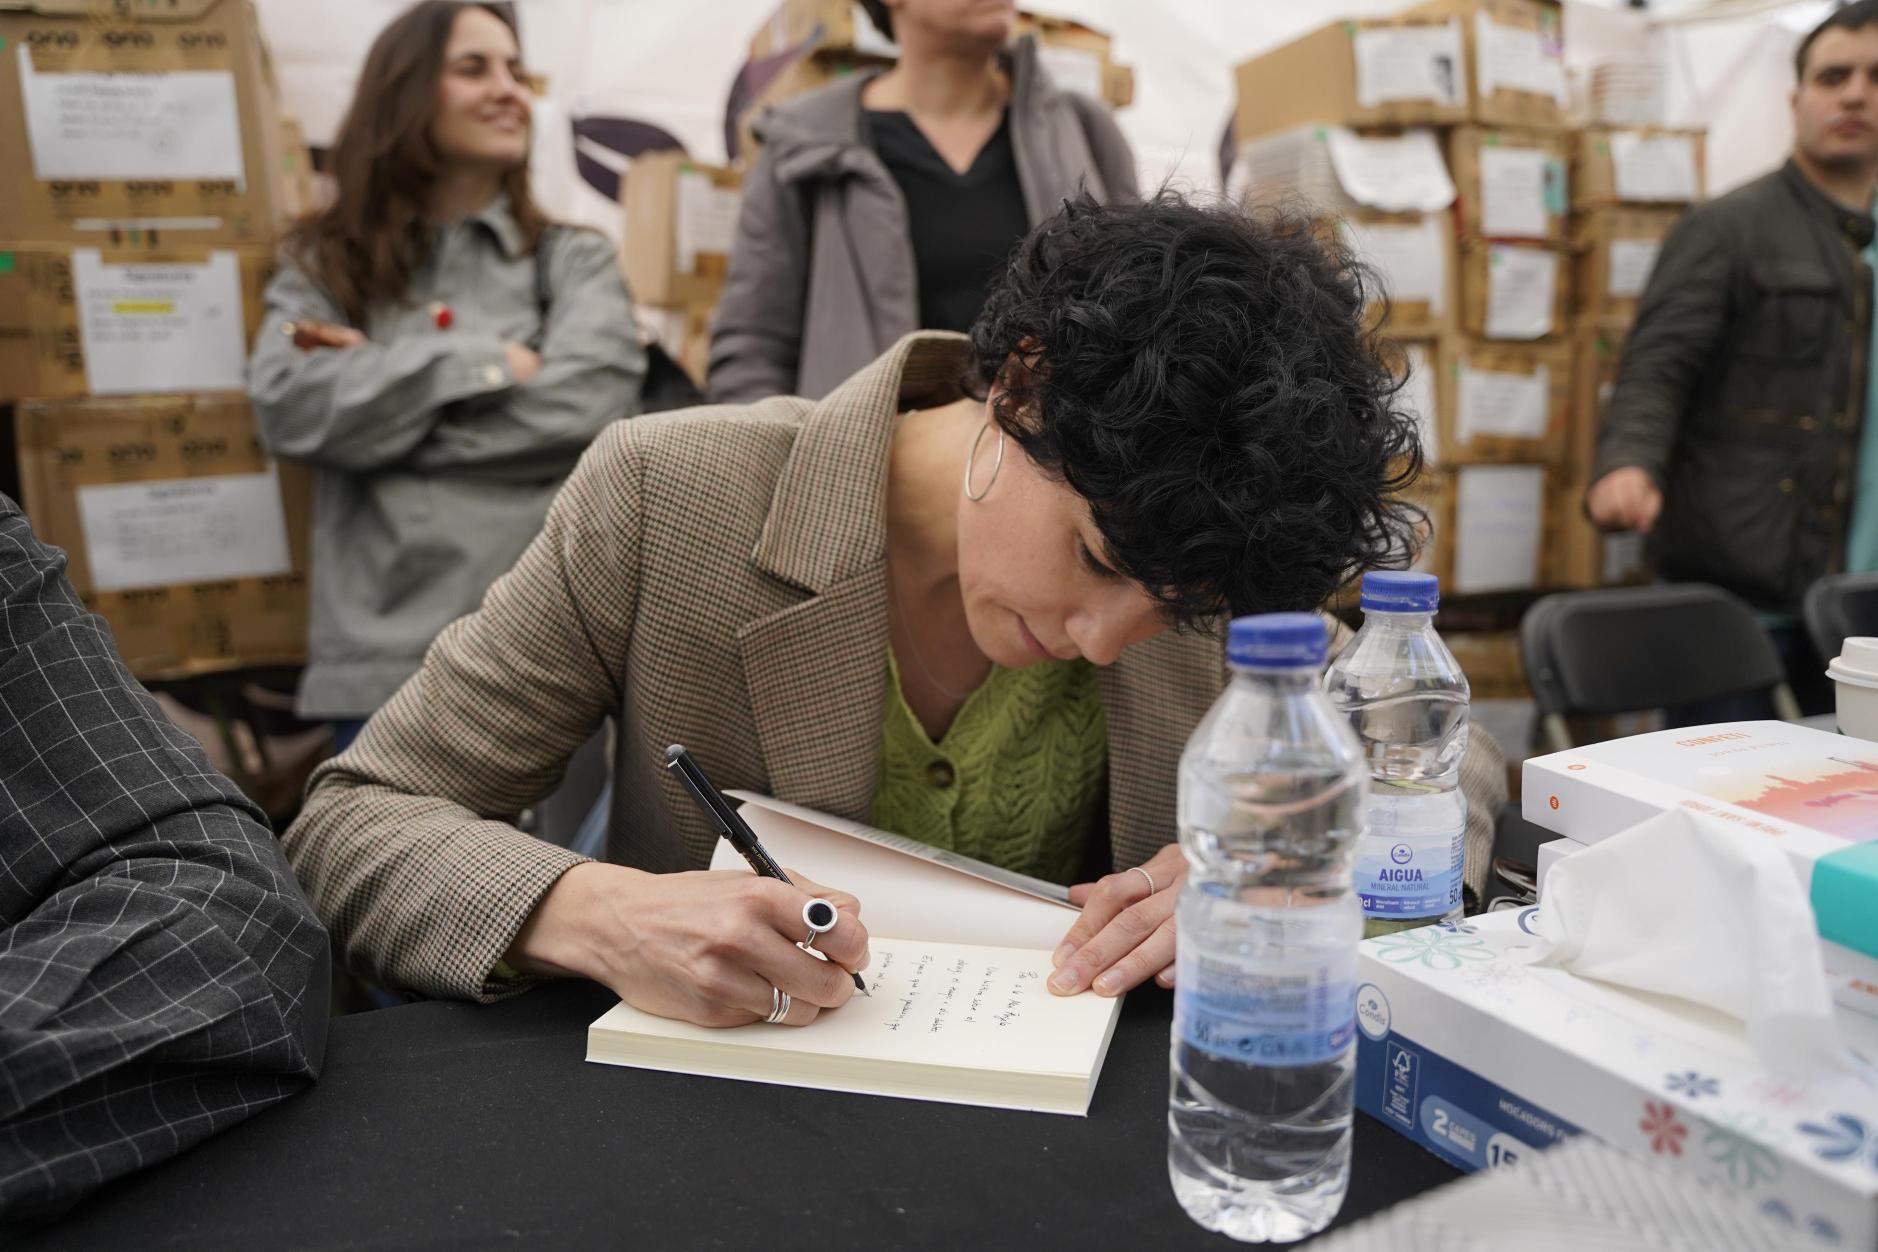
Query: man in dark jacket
(161, 975)
(1733, 437)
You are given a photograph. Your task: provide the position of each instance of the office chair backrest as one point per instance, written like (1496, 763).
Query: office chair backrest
(1838, 607)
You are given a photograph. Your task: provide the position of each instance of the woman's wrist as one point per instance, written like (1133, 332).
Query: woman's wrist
(566, 935)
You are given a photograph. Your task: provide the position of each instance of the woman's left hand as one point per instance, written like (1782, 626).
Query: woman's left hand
(1125, 935)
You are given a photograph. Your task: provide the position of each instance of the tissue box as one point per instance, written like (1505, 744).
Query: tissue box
(1814, 792)
(1481, 1058)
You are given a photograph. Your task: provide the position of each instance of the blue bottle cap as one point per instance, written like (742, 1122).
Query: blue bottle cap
(1277, 640)
(1400, 591)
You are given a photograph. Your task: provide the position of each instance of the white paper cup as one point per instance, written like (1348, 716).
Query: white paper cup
(1854, 674)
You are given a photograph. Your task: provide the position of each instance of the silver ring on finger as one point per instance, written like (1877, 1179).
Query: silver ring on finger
(820, 917)
(1136, 869)
(778, 1005)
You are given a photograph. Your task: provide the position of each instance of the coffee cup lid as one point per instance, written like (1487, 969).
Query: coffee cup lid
(1858, 657)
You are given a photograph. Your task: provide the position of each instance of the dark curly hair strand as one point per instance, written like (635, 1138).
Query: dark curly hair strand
(1205, 377)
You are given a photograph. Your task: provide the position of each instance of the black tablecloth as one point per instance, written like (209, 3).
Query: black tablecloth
(452, 1125)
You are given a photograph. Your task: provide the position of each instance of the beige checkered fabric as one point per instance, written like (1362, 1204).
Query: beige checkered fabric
(715, 578)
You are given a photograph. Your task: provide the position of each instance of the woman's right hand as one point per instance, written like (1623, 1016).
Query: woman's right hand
(703, 947)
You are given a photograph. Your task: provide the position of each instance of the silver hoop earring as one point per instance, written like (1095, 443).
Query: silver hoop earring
(972, 460)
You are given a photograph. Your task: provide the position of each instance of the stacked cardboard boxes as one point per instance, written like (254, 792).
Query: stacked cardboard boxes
(1481, 83)
(148, 170)
(1629, 187)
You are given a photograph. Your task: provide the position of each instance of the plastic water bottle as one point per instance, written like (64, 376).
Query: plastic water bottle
(1406, 697)
(1271, 805)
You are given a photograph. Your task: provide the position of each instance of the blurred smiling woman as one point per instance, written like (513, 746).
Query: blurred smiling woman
(966, 597)
(437, 349)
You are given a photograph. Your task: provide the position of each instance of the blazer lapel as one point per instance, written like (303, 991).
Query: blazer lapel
(816, 671)
(817, 677)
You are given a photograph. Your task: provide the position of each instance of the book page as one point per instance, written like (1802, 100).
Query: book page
(942, 1004)
(903, 897)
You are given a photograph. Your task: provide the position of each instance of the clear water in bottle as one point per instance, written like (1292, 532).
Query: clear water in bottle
(1271, 804)
(1406, 697)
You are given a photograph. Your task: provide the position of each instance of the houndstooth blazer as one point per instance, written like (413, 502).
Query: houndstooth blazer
(717, 578)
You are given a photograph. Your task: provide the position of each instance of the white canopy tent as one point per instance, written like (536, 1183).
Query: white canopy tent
(670, 63)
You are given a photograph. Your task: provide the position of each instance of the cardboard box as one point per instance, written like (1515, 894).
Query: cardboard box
(177, 525)
(1614, 250)
(1488, 523)
(80, 320)
(1638, 165)
(1515, 59)
(124, 124)
(1510, 184)
(298, 191)
(1515, 291)
(1433, 494)
(1414, 256)
(1118, 85)
(1405, 70)
(1077, 58)
(1492, 663)
(681, 220)
(1425, 391)
(1597, 351)
(1480, 1057)
(1506, 403)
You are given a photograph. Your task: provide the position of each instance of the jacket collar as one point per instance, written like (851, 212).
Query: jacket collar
(843, 446)
(823, 134)
(1855, 227)
(498, 219)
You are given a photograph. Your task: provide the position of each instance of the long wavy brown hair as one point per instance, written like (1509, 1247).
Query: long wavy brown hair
(367, 244)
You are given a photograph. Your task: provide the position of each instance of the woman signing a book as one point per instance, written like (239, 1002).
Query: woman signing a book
(971, 596)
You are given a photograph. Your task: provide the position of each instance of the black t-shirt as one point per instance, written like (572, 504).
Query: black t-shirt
(963, 226)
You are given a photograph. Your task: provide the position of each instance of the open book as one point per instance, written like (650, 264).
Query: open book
(958, 1010)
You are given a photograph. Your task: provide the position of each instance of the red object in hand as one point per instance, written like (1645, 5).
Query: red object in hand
(442, 315)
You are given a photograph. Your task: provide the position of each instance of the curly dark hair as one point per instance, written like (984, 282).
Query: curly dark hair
(1205, 377)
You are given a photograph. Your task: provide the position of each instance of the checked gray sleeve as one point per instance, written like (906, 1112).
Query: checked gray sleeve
(161, 975)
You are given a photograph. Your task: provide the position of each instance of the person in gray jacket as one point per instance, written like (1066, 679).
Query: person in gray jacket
(438, 350)
(886, 202)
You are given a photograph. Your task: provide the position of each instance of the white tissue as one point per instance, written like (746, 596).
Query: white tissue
(1683, 905)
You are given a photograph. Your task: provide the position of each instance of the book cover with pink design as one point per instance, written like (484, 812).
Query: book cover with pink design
(1813, 792)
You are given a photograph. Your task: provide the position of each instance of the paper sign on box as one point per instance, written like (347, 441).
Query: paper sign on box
(184, 530)
(1396, 63)
(179, 125)
(160, 326)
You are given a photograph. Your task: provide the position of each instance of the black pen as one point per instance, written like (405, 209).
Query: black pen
(729, 822)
